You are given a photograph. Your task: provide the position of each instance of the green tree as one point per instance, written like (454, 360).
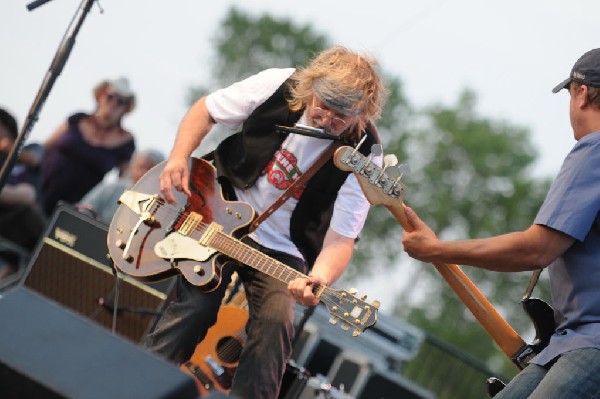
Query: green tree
(245, 45)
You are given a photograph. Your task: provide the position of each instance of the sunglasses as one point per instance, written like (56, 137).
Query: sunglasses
(121, 101)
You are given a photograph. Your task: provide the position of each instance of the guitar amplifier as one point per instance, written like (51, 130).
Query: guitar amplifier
(71, 266)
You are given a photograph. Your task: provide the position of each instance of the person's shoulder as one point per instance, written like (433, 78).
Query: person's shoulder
(76, 117)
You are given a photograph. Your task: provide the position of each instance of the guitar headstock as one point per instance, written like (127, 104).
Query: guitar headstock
(353, 312)
(380, 184)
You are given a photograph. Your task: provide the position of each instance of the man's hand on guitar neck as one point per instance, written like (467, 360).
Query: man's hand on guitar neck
(420, 243)
(302, 289)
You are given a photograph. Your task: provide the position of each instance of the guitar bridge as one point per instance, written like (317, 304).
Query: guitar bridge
(141, 204)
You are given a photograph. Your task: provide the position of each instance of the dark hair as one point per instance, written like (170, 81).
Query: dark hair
(9, 122)
(593, 96)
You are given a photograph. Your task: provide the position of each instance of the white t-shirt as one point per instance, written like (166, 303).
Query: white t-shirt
(230, 107)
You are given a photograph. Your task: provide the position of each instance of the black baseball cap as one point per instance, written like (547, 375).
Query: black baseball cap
(585, 71)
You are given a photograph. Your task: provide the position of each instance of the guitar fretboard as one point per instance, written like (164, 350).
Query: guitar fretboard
(244, 253)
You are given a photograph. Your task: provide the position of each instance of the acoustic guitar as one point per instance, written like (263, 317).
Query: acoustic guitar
(217, 356)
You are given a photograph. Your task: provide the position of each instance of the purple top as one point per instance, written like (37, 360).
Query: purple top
(72, 167)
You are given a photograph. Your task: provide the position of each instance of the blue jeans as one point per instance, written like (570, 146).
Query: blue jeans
(270, 326)
(575, 374)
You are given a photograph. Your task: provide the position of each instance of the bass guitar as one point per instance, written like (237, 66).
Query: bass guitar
(150, 240)
(383, 185)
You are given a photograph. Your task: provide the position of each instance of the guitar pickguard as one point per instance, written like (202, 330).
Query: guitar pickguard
(178, 246)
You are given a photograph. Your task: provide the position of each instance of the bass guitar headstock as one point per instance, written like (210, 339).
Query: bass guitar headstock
(380, 184)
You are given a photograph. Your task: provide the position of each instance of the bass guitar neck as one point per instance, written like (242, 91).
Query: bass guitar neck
(380, 186)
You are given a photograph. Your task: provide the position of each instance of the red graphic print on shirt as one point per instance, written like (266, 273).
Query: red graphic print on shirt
(283, 170)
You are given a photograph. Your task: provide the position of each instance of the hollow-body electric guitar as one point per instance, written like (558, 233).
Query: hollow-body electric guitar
(150, 240)
(382, 185)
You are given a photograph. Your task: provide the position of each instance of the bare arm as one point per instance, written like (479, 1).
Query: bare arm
(60, 130)
(531, 249)
(124, 168)
(193, 128)
(22, 193)
(329, 266)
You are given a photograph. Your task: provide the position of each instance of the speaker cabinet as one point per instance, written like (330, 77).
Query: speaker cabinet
(350, 372)
(315, 352)
(48, 351)
(388, 387)
(71, 266)
(361, 380)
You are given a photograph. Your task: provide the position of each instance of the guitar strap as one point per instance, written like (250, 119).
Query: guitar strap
(298, 184)
(532, 282)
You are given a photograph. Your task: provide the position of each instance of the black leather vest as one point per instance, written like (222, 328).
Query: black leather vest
(241, 157)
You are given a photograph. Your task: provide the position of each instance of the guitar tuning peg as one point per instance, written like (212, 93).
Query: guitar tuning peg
(376, 304)
(376, 150)
(345, 326)
(360, 143)
(390, 160)
(355, 333)
(363, 297)
(403, 169)
(353, 291)
(333, 321)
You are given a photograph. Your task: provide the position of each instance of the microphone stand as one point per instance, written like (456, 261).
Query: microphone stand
(60, 58)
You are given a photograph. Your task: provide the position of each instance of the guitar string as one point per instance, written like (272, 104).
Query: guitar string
(229, 241)
(248, 253)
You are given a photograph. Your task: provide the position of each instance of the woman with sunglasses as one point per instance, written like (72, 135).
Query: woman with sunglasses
(87, 146)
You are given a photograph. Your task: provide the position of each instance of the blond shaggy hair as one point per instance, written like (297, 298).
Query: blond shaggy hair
(345, 81)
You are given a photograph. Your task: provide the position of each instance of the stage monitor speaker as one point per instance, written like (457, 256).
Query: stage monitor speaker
(361, 380)
(392, 387)
(71, 266)
(48, 351)
(315, 353)
(349, 371)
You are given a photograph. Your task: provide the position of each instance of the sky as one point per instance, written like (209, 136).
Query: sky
(511, 53)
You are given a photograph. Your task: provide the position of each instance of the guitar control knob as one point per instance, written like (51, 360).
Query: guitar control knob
(376, 304)
(199, 270)
(129, 259)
